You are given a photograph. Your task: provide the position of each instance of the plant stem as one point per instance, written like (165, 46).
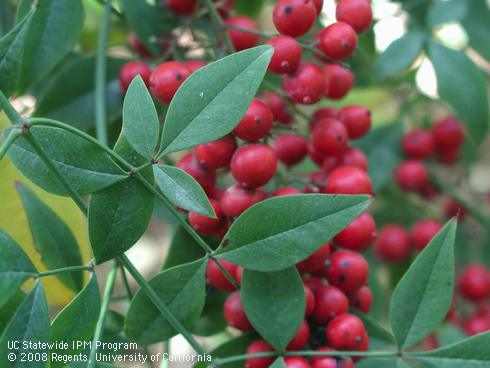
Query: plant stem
(125, 281)
(66, 269)
(11, 113)
(219, 25)
(379, 354)
(11, 138)
(99, 329)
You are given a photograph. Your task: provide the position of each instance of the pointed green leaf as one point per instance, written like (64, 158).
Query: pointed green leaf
(374, 329)
(182, 190)
(281, 231)
(183, 249)
(182, 289)
(423, 296)
(477, 26)
(212, 319)
(278, 363)
(274, 303)
(446, 11)
(8, 309)
(211, 102)
(449, 334)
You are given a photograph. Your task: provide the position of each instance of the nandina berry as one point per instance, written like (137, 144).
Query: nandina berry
(300, 339)
(330, 137)
(322, 361)
(235, 314)
(296, 362)
(216, 278)
(392, 244)
(448, 135)
(287, 54)
(242, 40)
(257, 347)
(181, 7)
(339, 81)
(194, 64)
(166, 80)
(321, 114)
(285, 191)
(307, 85)
(452, 208)
(356, 13)
(362, 299)
(294, 17)
(138, 46)
(353, 156)
(345, 332)
(338, 41)
(206, 225)
(309, 300)
(315, 261)
(330, 302)
(278, 107)
(253, 165)
(318, 5)
(364, 345)
(318, 181)
(205, 177)
(237, 199)
(423, 232)
(359, 234)
(330, 163)
(216, 154)
(357, 120)
(348, 180)
(315, 156)
(256, 123)
(418, 144)
(474, 283)
(290, 148)
(412, 175)
(347, 270)
(448, 157)
(312, 282)
(130, 70)
(477, 324)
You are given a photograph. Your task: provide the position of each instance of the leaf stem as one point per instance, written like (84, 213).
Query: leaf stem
(125, 281)
(219, 25)
(11, 113)
(379, 354)
(11, 138)
(66, 269)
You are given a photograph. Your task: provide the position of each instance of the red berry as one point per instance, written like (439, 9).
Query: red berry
(448, 135)
(300, 339)
(338, 41)
(474, 283)
(315, 261)
(181, 7)
(205, 177)
(353, 156)
(310, 301)
(330, 302)
(318, 181)
(362, 299)
(166, 80)
(206, 225)
(216, 278)
(296, 362)
(357, 120)
(216, 154)
(330, 137)
(477, 324)
(312, 282)
(131, 70)
(322, 361)
(330, 163)
(356, 13)
(259, 346)
(318, 5)
(307, 85)
(139, 47)
(253, 165)
(242, 40)
(345, 332)
(294, 17)
(339, 81)
(290, 148)
(287, 54)
(277, 106)
(315, 156)
(237, 199)
(412, 175)
(194, 65)
(417, 144)
(448, 157)
(359, 234)
(323, 113)
(348, 270)
(235, 314)
(285, 191)
(423, 232)
(393, 244)
(348, 180)
(256, 123)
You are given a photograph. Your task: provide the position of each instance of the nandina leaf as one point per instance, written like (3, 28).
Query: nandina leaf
(182, 249)
(212, 319)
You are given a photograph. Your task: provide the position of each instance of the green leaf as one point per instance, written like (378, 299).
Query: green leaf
(399, 55)
(250, 8)
(379, 363)
(374, 329)
(140, 119)
(453, 68)
(278, 363)
(182, 289)
(472, 352)
(8, 309)
(274, 303)
(183, 249)
(30, 323)
(477, 26)
(53, 32)
(52, 238)
(423, 296)
(446, 11)
(82, 312)
(281, 231)
(449, 334)
(15, 267)
(212, 319)
(182, 190)
(211, 102)
(84, 165)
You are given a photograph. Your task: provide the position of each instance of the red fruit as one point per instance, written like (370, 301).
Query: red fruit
(307, 85)
(285, 191)
(474, 283)
(310, 301)
(453, 209)
(216, 278)
(259, 346)
(339, 81)
(315, 156)
(393, 244)
(345, 332)
(181, 7)
(348, 180)
(353, 156)
(356, 119)
(242, 40)
(237, 199)
(130, 70)
(205, 177)
(448, 135)
(338, 41)
(256, 123)
(138, 46)
(294, 17)
(300, 339)
(253, 165)
(362, 299)
(359, 234)
(287, 54)
(322, 361)
(330, 302)
(318, 6)
(477, 324)
(423, 232)
(412, 175)
(356, 13)
(448, 157)
(166, 80)
(315, 261)
(234, 313)
(277, 106)
(193, 65)
(216, 154)
(321, 114)
(330, 137)
(296, 362)
(348, 270)
(318, 181)
(206, 225)
(290, 148)
(418, 144)
(330, 163)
